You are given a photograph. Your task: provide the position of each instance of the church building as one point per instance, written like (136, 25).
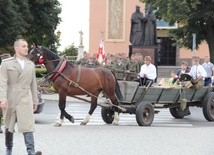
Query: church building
(113, 19)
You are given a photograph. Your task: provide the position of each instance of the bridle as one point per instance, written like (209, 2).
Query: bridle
(59, 68)
(40, 58)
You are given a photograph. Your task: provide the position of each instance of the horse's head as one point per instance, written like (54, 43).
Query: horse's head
(42, 55)
(37, 54)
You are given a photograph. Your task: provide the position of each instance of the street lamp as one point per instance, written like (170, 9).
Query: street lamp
(193, 43)
(58, 34)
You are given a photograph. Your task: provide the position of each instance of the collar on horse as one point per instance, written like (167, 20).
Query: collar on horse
(60, 67)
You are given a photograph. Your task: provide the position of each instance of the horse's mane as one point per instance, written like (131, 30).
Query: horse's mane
(50, 54)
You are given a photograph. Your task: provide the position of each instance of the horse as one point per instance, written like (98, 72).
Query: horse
(70, 80)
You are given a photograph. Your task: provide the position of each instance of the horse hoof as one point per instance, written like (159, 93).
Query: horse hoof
(114, 123)
(83, 123)
(72, 119)
(58, 125)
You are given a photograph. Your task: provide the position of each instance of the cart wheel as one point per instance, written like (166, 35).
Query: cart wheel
(107, 115)
(208, 106)
(178, 113)
(48, 85)
(145, 114)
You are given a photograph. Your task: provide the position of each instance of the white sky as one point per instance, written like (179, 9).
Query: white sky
(75, 17)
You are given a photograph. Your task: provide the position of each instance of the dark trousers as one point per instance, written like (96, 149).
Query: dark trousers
(207, 81)
(8, 142)
(1, 131)
(144, 81)
(29, 142)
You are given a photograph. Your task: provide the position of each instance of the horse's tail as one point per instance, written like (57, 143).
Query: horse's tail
(117, 89)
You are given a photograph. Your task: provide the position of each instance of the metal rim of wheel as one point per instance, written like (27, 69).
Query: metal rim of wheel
(146, 114)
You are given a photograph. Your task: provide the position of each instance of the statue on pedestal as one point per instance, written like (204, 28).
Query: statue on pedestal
(150, 28)
(81, 38)
(136, 34)
(81, 47)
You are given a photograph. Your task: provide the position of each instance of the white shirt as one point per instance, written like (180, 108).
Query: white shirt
(150, 70)
(208, 68)
(196, 71)
(21, 62)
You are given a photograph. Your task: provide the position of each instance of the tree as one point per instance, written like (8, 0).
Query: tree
(192, 17)
(45, 21)
(34, 20)
(12, 22)
(70, 51)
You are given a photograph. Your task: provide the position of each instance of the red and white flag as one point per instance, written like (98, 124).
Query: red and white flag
(101, 51)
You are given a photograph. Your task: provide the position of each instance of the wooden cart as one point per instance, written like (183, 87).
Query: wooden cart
(144, 102)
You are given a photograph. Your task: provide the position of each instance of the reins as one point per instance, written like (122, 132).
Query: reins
(51, 75)
(72, 83)
(53, 60)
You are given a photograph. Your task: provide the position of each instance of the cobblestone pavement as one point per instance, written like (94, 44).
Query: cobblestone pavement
(166, 136)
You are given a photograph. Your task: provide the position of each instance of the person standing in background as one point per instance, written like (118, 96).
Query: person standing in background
(209, 68)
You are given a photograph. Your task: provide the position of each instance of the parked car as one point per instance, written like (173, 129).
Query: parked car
(41, 102)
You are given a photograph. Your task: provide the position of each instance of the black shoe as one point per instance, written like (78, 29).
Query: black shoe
(38, 153)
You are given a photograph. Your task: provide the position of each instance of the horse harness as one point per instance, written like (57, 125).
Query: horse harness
(58, 71)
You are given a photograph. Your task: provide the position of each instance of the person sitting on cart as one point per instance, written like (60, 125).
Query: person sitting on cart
(198, 73)
(147, 72)
(173, 80)
(183, 70)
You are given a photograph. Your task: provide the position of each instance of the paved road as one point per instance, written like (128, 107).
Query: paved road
(166, 136)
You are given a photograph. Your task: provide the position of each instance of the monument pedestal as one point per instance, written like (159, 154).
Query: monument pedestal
(145, 51)
(80, 52)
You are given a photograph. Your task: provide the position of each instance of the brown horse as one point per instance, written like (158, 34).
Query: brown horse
(70, 80)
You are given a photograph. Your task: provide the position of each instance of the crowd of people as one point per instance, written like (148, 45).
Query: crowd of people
(124, 68)
(134, 68)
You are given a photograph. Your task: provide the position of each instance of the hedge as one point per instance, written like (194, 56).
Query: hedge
(40, 71)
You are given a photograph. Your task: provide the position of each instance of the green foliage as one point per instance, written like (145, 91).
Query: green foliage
(33, 20)
(40, 71)
(191, 16)
(70, 51)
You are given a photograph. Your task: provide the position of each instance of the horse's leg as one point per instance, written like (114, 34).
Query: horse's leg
(92, 108)
(60, 121)
(116, 110)
(116, 114)
(62, 104)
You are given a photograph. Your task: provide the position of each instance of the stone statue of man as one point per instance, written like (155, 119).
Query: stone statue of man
(150, 28)
(136, 34)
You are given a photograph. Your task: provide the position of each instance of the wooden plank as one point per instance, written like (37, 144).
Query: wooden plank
(128, 89)
(169, 95)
